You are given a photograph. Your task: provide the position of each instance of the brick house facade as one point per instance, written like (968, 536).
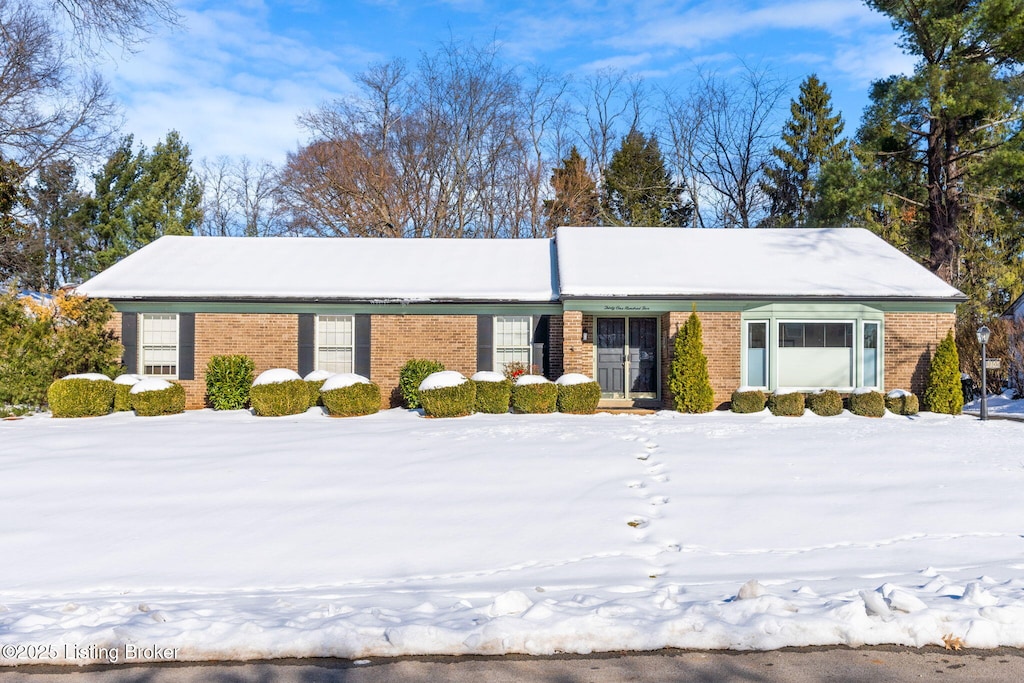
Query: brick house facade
(547, 314)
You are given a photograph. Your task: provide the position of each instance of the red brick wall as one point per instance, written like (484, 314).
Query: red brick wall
(450, 339)
(910, 341)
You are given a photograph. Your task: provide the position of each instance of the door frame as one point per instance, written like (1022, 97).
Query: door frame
(627, 394)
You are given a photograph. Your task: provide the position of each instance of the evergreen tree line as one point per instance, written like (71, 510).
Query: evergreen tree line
(464, 144)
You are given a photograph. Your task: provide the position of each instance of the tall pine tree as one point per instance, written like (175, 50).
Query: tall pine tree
(638, 189)
(811, 138)
(576, 200)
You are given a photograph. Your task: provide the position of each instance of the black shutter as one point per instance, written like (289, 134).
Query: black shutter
(186, 346)
(130, 341)
(307, 324)
(484, 342)
(361, 364)
(541, 343)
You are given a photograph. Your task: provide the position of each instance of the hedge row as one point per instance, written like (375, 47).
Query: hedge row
(825, 402)
(94, 395)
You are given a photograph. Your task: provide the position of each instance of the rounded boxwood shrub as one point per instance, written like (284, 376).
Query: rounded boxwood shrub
(279, 392)
(747, 400)
(577, 394)
(825, 402)
(867, 403)
(315, 383)
(152, 397)
(228, 379)
(122, 386)
(902, 402)
(447, 394)
(534, 394)
(493, 392)
(86, 395)
(348, 395)
(411, 376)
(787, 404)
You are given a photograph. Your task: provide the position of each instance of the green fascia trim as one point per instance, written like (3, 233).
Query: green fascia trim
(640, 306)
(814, 311)
(633, 306)
(334, 308)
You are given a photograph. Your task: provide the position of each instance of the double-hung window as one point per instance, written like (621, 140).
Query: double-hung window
(512, 341)
(335, 343)
(158, 344)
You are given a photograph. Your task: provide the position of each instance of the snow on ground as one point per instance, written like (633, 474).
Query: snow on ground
(1002, 404)
(224, 535)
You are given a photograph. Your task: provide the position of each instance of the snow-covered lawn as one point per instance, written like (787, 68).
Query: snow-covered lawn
(223, 535)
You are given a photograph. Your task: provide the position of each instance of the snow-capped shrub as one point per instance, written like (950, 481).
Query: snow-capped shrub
(534, 394)
(348, 394)
(825, 402)
(577, 394)
(747, 400)
(788, 403)
(314, 383)
(228, 379)
(867, 403)
(122, 386)
(493, 392)
(152, 397)
(902, 402)
(81, 396)
(279, 392)
(411, 375)
(447, 394)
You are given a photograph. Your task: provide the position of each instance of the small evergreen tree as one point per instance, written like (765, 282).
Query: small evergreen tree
(638, 190)
(575, 201)
(688, 379)
(944, 393)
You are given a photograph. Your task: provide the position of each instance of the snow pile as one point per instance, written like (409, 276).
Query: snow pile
(897, 393)
(1003, 404)
(318, 375)
(440, 380)
(573, 378)
(93, 376)
(128, 379)
(507, 533)
(488, 376)
(152, 384)
(863, 390)
(342, 380)
(531, 379)
(782, 391)
(276, 376)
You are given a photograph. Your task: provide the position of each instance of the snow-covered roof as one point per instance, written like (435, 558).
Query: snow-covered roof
(771, 263)
(332, 269)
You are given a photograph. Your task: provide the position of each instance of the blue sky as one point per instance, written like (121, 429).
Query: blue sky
(236, 74)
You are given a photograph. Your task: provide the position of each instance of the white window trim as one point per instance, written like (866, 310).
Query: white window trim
(140, 361)
(856, 349)
(494, 340)
(316, 338)
(879, 355)
(768, 337)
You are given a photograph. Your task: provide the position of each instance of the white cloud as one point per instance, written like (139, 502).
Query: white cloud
(871, 59)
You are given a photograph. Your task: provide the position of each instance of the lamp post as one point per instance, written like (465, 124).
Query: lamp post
(983, 336)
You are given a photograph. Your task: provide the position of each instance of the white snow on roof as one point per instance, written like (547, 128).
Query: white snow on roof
(332, 268)
(816, 262)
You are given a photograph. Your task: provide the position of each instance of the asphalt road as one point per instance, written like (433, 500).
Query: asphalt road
(840, 665)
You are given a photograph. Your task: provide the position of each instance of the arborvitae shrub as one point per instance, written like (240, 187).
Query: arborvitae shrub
(456, 401)
(228, 380)
(902, 402)
(169, 401)
(579, 399)
(826, 402)
(314, 383)
(412, 375)
(748, 401)
(788, 405)
(492, 396)
(355, 399)
(279, 398)
(688, 377)
(80, 397)
(534, 397)
(867, 404)
(944, 393)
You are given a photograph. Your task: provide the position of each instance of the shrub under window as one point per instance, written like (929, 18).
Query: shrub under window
(81, 396)
(534, 394)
